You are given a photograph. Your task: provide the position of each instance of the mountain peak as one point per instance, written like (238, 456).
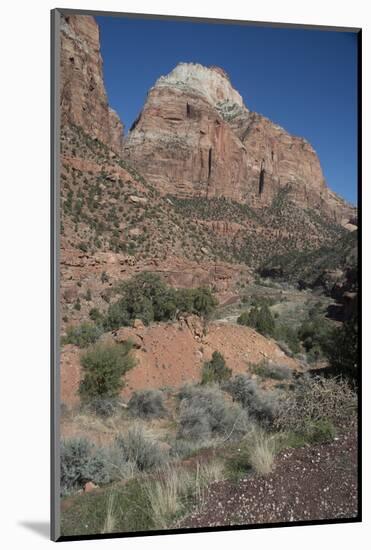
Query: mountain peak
(211, 82)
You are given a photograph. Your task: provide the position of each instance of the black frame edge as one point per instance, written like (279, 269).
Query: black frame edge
(214, 20)
(54, 276)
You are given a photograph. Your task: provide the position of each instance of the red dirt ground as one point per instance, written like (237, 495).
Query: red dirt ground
(310, 483)
(172, 354)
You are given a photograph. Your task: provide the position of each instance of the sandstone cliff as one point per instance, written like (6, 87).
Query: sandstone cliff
(194, 140)
(83, 97)
(195, 137)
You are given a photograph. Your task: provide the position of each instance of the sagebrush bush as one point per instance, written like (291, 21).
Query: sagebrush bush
(260, 405)
(204, 412)
(216, 370)
(147, 404)
(82, 335)
(272, 370)
(104, 407)
(104, 366)
(138, 447)
(81, 461)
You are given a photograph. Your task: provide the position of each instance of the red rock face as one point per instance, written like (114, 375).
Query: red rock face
(83, 97)
(184, 147)
(195, 137)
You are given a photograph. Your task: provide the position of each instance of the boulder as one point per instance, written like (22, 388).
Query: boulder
(138, 324)
(89, 487)
(125, 333)
(138, 200)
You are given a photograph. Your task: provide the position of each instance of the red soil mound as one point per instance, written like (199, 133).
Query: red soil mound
(169, 355)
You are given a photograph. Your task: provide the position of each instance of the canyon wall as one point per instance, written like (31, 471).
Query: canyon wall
(83, 97)
(195, 137)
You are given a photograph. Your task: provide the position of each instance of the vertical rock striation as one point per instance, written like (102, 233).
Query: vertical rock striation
(195, 137)
(83, 97)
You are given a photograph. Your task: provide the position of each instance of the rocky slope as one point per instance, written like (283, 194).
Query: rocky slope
(197, 216)
(83, 96)
(195, 137)
(172, 354)
(330, 269)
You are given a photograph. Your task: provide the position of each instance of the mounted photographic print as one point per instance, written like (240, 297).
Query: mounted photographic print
(205, 282)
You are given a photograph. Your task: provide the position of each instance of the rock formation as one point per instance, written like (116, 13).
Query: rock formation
(83, 97)
(195, 137)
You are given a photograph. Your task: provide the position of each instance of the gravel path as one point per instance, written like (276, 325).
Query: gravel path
(310, 483)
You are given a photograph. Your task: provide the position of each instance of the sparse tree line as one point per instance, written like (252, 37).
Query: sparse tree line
(315, 336)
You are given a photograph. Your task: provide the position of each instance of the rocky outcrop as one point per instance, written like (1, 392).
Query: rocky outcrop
(181, 142)
(195, 137)
(83, 97)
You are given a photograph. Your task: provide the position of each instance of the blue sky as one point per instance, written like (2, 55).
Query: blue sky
(303, 80)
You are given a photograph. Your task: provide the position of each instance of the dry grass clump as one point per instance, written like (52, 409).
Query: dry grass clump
(262, 452)
(110, 520)
(166, 493)
(206, 474)
(138, 446)
(177, 488)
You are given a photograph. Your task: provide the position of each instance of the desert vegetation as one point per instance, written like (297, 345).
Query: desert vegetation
(209, 353)
(171, 455)
(165, 450)
(147, 298)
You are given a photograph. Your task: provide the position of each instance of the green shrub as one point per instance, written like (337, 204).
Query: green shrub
(104, 366)
(147, 404)
(215, 370)
(204, 302)
(320, 431)
(95, 315)
(259, 318)
(84, 247)
(117, 316)
(314, 335)
(148, 298)
(341, 348)
(287, 335)
(88, 295)
(82, 335)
